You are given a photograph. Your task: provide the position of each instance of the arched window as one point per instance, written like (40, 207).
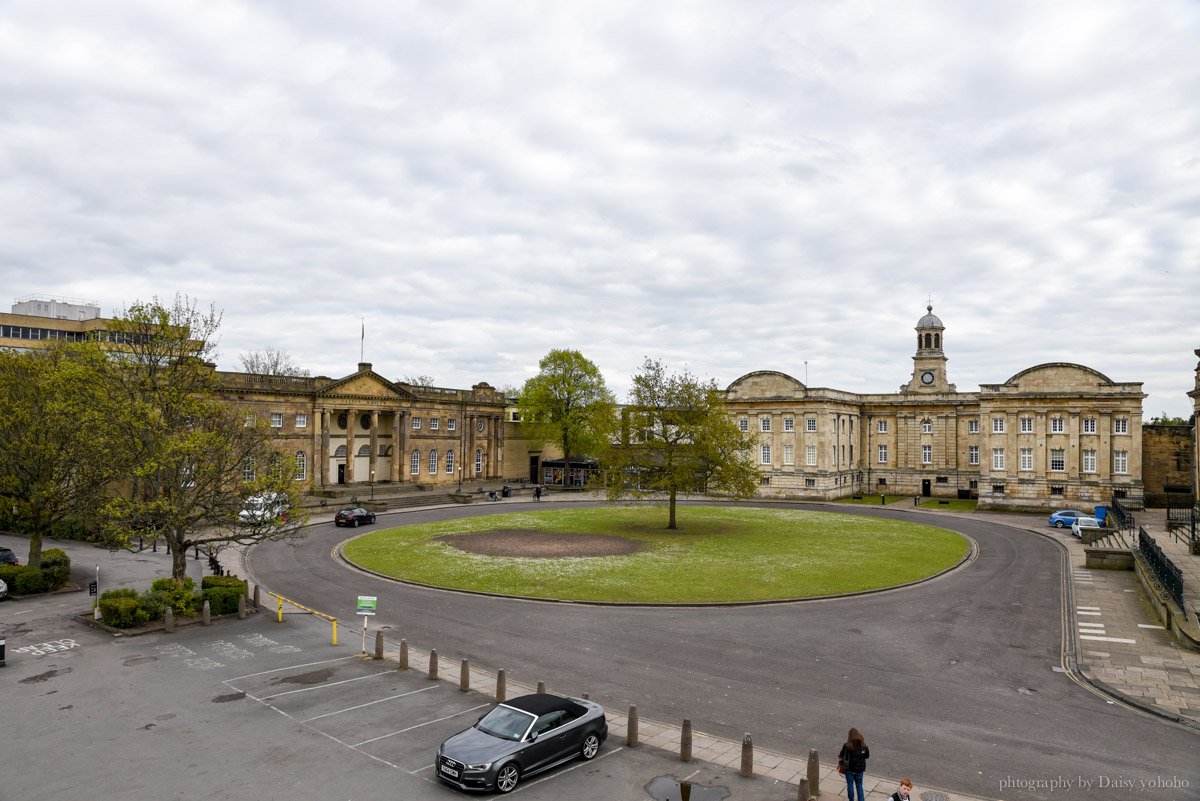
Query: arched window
(937, 341)
(365, 450)
(415, 466)
(928, 341)
(478, 462)
(301, 466)
(340, 453)
(385, 450)
(433, 462)
(450, 461)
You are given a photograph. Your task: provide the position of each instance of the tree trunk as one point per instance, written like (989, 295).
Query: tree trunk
(178, 558)
(671, 523)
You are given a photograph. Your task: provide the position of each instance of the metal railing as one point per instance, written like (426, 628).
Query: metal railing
(1121, 516)
(1165, 571)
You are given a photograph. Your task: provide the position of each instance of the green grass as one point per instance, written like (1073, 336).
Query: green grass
(719, 554)
(867, 499)
(951, 505)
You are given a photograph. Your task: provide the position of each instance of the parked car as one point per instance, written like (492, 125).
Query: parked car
(1065, 517)
(520, 738)
(353, 517)
(3, 590)
(1084, 523)
(7, 557)
(264, 508)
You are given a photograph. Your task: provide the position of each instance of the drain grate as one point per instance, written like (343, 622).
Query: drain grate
(933, 795)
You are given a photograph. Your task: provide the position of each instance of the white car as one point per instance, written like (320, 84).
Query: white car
(263, 508)
(3, 590)
(1081, 523)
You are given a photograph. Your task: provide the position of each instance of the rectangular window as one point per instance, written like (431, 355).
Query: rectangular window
(250, 420)
(1089, 461)
(1058, 459)
(810, 482)
(997, 425)
(452, 424)
(789, 424)
(301, 420)
(810, 455)
(478, 462)
(301, 466)
(248, 471)
(743, 424)
(883, 454)
(435, 423)
(416, 423)
(926, 454)
(1120, 425)
(997, 458)
(765, 481)
(997, 489)
(973, 454)
(1026, 458)
(789, 454)
(810, 424)
(1057, 491)
(883, 482)
(276, 419)
(414, 465)
(764, 454)
(926, 426)
(1057, 425)
(764, 424)
(881, 426)
(972, 426)
(1121, 462)
(1026, 425)
(1089, 425)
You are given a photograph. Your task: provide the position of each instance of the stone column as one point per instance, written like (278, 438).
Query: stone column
(403, 457)
(374, 445)
(322, 450)
(396, 452)
(350, 423)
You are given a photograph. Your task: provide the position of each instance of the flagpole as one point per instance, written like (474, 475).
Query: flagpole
(362, 340)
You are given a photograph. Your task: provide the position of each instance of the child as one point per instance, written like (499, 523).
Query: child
(904, 791)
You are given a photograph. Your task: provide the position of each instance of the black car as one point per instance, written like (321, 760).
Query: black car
(519, 738)
(7, 557)
(353, 517)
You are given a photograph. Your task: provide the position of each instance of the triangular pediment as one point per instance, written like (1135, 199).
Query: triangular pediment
(367, 384)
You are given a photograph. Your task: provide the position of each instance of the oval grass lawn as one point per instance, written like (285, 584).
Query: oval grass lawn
(718, 554)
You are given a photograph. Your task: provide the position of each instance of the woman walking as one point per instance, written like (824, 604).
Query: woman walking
(853, 757)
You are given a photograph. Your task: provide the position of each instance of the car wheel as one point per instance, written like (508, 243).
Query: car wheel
(1059, 524)
(507, 778)
(590, 746)
(353, 522)
(372, 518)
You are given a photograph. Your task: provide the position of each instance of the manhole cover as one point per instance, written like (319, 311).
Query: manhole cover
(933, 795)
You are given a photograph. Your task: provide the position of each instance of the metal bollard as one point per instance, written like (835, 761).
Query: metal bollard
(747, 756)
(631, 731)
(402, 662)
(256, 603)
(685, 742)
(433, 663)
(197, 554)
(241, 607)
(379, 645)
(541, 687)
(501, 686)
(464, 677)
(814, 774)
(205, 614)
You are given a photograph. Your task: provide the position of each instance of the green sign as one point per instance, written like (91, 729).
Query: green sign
(366, 604)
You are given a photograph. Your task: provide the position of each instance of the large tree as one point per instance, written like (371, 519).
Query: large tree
(198, 456)
(60, 437)
(677, 437)
(270, 362)
(568, 404)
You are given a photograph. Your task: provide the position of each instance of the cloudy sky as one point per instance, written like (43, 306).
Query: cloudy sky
(728, 187)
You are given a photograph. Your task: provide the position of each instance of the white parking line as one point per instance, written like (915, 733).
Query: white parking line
(1107, 639)
(576, 766)
(325, 686)
(289, 667)
(419, 725)
(1151, 626)
(1093, 614)
(369, 703)
(1087, 609)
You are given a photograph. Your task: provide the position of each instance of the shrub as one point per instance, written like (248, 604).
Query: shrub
(122, 611)
(56, 567)
(180, 596)
(30, 581)
(120, 592)
(9, 573)
(223, 600)
(154, 604)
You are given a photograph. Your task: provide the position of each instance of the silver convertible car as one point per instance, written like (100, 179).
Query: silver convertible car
(519, 738)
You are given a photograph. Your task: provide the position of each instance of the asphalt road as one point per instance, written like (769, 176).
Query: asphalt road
(957, 682)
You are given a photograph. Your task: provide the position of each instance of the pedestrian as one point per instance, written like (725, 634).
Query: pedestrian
(537, 493)
(903, 793)
(853, 757)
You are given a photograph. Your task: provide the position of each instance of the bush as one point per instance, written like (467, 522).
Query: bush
(30, 581)
(9, 573)
(223, 600)
(154, 604)
(56, 567)
(122, 611)
(180, 596)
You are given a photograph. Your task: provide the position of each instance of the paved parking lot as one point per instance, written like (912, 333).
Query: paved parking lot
(264, 710)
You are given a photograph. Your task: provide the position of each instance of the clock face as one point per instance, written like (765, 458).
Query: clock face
(479, 425)
(927, 377)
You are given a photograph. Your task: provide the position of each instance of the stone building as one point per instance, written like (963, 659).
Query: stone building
(1053, 434)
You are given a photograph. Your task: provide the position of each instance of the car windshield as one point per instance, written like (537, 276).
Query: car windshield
(505, 722)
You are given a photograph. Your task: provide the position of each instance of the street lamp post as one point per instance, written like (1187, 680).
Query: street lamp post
(372, 484)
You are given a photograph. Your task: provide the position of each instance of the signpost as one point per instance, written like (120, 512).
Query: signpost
(366, 608)
(94, 589)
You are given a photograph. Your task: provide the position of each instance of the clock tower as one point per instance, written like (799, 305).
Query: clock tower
(929, 363)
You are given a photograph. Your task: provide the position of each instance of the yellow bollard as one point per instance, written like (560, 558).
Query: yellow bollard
(335, 631)
(279, 612)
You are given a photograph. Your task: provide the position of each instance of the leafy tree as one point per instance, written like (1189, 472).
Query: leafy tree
(1163, 419)
(60, 446)
(568, 404)
(197, 456)
(418, 380)
(677, 437)
(270, 362)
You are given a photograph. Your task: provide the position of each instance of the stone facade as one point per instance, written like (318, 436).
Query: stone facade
(1054, 434)
(1168, 464)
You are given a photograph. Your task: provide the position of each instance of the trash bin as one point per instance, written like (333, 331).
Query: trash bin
(1102, 515)
(506, 491)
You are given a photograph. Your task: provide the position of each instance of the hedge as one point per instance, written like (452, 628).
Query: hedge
(222, 593)
(124, 607)
(26, 580)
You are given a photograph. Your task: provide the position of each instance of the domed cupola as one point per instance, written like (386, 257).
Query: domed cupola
(929, 363)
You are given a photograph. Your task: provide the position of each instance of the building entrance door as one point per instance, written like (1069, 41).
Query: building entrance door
(342, 474)
(533, 470)
(925, 488)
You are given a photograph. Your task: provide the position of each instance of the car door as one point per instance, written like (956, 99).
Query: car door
(547, 747)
